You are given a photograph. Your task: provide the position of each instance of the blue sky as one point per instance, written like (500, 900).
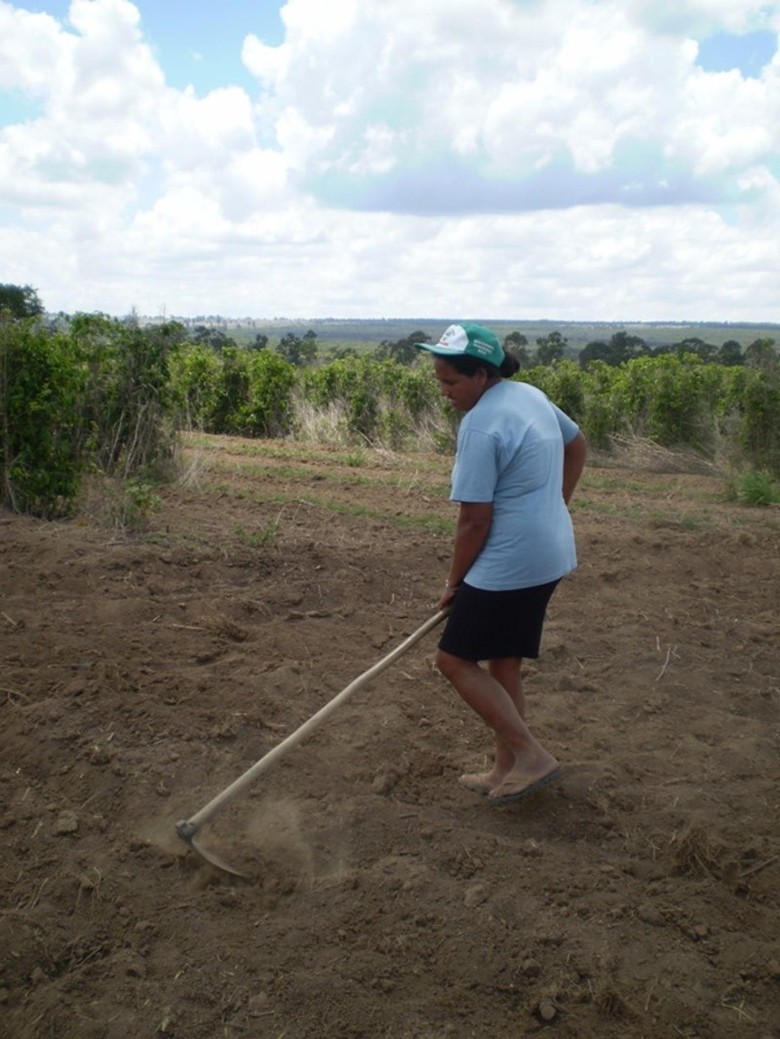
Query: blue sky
(199, 42)
(613, 159)
(749, 53)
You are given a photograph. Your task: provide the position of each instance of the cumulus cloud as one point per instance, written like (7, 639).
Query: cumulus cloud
(549, 158)
(500, 95)
(97, 90)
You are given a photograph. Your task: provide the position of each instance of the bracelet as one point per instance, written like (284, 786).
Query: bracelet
(451, 586)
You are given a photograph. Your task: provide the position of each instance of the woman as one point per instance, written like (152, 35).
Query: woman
(518, 460)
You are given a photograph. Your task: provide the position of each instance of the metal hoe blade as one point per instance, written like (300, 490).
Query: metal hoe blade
(187, 833)
(188, 829)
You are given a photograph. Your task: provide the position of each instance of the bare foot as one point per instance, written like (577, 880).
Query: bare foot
(478, 782)
(518, 785)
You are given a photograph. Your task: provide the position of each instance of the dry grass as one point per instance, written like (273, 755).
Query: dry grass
(640, 453)
(692, 853)
(322, 425)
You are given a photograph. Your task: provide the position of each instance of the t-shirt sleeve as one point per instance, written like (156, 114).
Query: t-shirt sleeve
(475, 472)
(569, 428)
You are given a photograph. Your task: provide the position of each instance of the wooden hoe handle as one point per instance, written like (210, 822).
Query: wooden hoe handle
(189, 827)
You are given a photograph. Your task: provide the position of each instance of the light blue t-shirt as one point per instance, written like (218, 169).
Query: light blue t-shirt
(510, 453)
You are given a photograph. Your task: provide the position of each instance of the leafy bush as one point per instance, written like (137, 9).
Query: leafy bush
(96, 398)
(759, 408)
(127, 404)
(268, 411)
(382, 400)
(41, 386)
(195, 386)
(235, 392)
(564, 383)
(603, 418)
(668, 399)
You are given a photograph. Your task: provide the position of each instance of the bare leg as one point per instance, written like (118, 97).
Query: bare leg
(520, 758)
(506, 672)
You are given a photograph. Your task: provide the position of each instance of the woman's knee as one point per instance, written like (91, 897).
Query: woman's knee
(449, 665)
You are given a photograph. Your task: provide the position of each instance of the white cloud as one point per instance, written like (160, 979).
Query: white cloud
(98, 91)
(702, 17)
(553, 158)
(200, 133)
(32, 50)
(269, 64)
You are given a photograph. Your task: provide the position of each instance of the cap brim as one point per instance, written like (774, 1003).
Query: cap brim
(442, 351)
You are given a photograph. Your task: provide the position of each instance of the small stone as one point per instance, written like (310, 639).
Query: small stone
(130, 963)
(476, 895)
(258, 1003)
(384, 782)
(650, 915)
(547, 1010)
(67, 822)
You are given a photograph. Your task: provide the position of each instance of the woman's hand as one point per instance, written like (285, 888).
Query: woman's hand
(449, 593)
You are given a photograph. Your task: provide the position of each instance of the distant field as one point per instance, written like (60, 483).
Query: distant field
(367, 334)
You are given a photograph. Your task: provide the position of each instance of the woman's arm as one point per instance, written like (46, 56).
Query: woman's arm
(474, 519)
(574, 454)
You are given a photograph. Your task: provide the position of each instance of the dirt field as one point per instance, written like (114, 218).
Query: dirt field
(636, 897)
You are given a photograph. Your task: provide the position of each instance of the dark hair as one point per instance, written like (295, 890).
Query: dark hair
(466, 364)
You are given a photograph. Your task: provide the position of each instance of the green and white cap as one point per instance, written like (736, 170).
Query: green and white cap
(469, 339)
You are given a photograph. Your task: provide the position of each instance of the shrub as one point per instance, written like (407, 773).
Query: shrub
(753, 488)
(268, 411)
(381, 400)
(96, 398)
(759, 433)
(126, 418)
(235, 391)
(41, 385)
(564, 384)
(195, 378)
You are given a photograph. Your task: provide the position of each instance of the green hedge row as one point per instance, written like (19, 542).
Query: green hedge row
(108, 396)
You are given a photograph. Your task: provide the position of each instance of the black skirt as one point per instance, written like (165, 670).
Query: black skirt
(486, 625)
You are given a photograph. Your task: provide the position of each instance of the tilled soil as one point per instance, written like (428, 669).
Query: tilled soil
(637, 897)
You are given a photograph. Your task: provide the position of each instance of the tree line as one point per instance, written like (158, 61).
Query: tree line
(621, 347)
(303, 350)
(93, 394)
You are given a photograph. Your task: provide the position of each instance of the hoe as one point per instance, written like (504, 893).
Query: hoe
(188, 829)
